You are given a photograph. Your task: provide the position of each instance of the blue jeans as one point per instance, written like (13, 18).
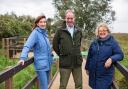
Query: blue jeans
(43, 77)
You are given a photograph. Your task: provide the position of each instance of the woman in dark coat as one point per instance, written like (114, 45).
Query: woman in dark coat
(103, 53)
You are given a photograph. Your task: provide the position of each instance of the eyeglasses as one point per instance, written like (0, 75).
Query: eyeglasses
(103, 31)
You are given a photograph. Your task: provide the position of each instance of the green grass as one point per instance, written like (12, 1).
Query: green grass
(6, 63)
(53, 69)
(121, 81)
(22, 77)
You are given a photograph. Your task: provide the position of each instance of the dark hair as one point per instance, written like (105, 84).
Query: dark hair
(37, 20)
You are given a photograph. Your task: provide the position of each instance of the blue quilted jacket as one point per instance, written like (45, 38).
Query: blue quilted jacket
(38, 41)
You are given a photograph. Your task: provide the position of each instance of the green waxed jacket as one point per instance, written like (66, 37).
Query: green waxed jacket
(68, 48)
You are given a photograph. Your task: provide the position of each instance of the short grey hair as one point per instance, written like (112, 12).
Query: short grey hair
(69, 10)
(102, 25)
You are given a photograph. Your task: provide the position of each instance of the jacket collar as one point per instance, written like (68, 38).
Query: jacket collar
(44, 31)
(75, 29)
(104, 39)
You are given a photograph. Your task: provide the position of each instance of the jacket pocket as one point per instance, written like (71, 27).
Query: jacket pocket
(41, 64)
(65, 61)
(79, 60)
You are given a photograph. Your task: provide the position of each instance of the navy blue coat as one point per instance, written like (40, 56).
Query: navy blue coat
(99, 51)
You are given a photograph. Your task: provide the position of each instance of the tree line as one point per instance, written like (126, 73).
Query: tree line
(13, 25)
(87, 12)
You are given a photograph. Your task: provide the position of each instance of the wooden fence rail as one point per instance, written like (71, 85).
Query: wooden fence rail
(12, 71)
(123, 70)
(7, 76)
(12, 45)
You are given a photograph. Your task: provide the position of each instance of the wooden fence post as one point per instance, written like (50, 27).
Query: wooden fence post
(37, 84)
(3, 43)
(8, 83)
(3, 46)
(7, 49)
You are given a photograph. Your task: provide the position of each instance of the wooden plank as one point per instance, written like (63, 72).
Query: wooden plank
(71, 84)
(51, 82)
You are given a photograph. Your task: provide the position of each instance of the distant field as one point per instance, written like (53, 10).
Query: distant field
(123, 41)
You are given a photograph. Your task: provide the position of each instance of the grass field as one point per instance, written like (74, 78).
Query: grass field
(123, 41)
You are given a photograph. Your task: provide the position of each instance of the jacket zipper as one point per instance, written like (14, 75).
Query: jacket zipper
(71, 37)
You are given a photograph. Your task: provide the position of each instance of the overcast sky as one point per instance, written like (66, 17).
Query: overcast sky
(28, 7)
(38, 7)
(121, 23)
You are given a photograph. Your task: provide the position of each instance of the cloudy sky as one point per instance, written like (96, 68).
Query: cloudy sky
(37, 7)
(121, 23)
(28, 7)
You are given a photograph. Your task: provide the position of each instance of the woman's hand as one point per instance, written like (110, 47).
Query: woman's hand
(21, 62)
(108, 63)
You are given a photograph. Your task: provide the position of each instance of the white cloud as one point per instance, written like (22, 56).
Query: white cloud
(28, 7)
(37, 7)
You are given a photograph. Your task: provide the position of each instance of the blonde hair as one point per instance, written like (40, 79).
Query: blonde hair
(102, 25)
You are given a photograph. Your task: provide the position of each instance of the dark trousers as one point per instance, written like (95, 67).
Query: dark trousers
(65, 74)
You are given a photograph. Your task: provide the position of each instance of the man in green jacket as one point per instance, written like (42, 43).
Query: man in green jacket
(67, 43)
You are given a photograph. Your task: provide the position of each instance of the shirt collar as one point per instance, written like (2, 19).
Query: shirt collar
(69, 27)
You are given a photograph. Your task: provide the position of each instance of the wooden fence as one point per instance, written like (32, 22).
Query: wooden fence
(12, 45)
(123, 70)
(7, 76)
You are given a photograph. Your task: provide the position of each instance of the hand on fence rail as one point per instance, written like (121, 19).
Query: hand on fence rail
(21, 62)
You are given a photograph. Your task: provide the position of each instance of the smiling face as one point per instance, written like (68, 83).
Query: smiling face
(69, 18)
(42, 23)
(103, 32)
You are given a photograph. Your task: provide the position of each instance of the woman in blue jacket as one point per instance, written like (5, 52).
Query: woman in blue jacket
(103, 53)
(38, 41)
